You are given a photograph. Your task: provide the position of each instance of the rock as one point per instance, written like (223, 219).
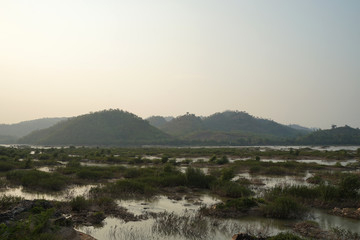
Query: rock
(346, 212)
(312, 230)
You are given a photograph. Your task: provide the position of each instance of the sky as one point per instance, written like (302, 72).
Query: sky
(290, 61)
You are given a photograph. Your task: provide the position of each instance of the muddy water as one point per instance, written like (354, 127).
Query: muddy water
(205, 228)
(328, 221)
(151, 228)
(317, 161)
(261, 183)
(65, 195)
(117, 229)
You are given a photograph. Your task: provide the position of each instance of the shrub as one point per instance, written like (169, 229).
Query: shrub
(164, 159)
(5, 166)
(213, 158)
(132, 173)
(8, 201)
(79, 203)
(328, 192)
(255, 169)
(94, 173)
(285, 208)
(197, 178)
(37, 180)
(349, 186)
(275, 170)
(127, 187)
(222, 160)
(231, 189)
(227, 174)
(97, 217)
(239, 204)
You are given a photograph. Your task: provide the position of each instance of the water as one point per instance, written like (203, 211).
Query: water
(66, 195)
(153, 228)
(328, 221)
(163, 203)
(262, 183)
(183, 210)
(317, 161)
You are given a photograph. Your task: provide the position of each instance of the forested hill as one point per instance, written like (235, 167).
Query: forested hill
(10, 132)
(110, 127)
(157, 121)
(335, 136)
(183, 125)
(229, 126)
(235, 121)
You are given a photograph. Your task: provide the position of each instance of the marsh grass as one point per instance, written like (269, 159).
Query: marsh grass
(191, 226)
(35, 226)
(284, 207)
(37, 180)
(230, 189)
(7, 202)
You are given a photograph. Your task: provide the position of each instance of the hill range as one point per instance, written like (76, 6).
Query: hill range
(121, 128)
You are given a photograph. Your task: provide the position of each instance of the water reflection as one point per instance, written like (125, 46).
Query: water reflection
(65, 195)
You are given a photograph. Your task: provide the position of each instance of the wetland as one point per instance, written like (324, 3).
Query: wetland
(180, 193)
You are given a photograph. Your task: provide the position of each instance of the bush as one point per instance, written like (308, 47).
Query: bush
(94, 173)
(328, 192)
(197, 178)
(222, 160)
(255, 169)
(275, 170)
(132, 173)
(227, 174)
(79, 203)
(5, 166)
(127, 187)
(240, 204)
(97, 217)
(37, 180)
(8, 201)
(231, 189)
(285, 208)
(349, 186)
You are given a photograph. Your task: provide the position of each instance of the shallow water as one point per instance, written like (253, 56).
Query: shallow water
(66, 195)
(317, 161)
(328, 221)
(163, 203)
(117, 229)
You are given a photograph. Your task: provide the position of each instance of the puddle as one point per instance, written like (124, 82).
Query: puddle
(65, 195)
(262, 183)
(328, 221)
(317, 161)
(210, 228)
(163, 203)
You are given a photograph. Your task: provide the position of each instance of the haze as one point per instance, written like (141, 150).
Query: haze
(290, 61)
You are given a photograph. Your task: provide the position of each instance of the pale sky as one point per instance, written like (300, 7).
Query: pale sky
(292, 61)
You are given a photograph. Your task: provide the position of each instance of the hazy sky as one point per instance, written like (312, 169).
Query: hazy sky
(290, 61)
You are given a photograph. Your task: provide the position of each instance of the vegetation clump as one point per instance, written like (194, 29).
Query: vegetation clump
(37, 180)
(285, 208)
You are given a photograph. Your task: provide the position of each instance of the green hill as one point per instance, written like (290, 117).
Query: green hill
(336, 136)
(183, 125)
(9, 133)
(234, 121)
(157, 121)
(229, 127)
(110, 127)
